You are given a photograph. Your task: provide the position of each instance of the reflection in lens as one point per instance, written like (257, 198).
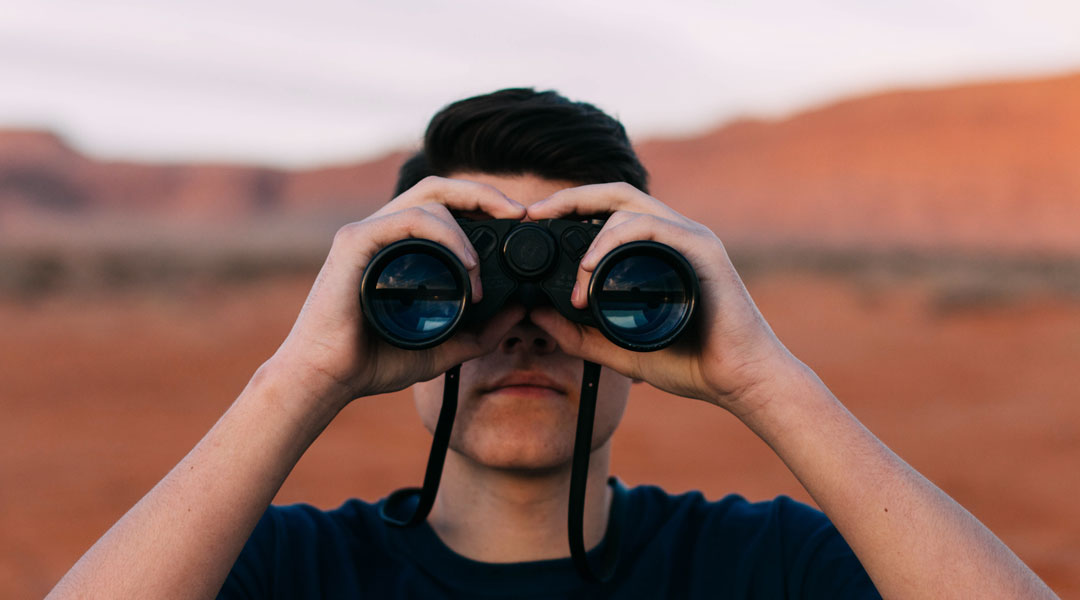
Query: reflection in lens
(643, 300)
(416, 297)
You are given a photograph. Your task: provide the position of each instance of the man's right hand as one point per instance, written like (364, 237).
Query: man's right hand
(330, 346)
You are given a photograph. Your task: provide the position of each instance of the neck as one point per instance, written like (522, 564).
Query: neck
(503, 516)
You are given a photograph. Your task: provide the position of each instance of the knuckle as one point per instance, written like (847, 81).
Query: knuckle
(484, 187)
(405, 222)
(436, 209)
(414, 213)
(562, 195)
(427, 187)
(429, 182)
(628, 222)
(422, 221)
(488, 195)
(347, 232)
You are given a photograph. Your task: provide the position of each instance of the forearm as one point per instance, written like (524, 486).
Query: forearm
(181, 539)
(913, 540)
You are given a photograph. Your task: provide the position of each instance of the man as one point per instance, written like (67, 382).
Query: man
(498, 527)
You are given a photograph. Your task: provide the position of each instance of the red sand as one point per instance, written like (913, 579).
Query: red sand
(101, 396)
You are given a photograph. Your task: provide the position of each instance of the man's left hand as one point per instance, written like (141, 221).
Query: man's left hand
(732, 350)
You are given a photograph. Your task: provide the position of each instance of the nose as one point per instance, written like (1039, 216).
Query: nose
(526, 337)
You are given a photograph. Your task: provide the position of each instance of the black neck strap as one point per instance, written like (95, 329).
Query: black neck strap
(396, 504)
(579, 478)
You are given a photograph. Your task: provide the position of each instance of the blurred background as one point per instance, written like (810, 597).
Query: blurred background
(898, 184)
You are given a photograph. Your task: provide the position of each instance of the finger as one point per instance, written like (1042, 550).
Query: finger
(620, 216)
(617, 218)
(423, 365)
(630, 228)
(465, 345)
(442, 212)
(360, 241)
(637, 227)
(584, 342)
(577, 295)
(459, 195)
(601, 198)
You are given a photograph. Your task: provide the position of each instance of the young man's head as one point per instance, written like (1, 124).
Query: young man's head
(518, 405)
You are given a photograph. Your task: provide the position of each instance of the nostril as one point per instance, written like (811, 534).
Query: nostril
(528, 342)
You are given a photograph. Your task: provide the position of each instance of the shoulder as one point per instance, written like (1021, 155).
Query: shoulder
(306, 520)
(732, 512)
(744, 546)
(294, 546)
(353, 529)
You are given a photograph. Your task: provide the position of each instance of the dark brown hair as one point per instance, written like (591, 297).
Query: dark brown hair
(518, 131)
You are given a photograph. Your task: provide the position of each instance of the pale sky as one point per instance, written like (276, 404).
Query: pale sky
(328, 81)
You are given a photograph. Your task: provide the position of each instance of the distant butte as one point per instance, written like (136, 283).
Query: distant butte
(988, 166)
(992, 166)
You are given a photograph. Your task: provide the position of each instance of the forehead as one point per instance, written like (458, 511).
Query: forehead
(525, 189)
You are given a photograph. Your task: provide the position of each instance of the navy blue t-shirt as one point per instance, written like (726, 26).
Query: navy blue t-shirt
(671, 547)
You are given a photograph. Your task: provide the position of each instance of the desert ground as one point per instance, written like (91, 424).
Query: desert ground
(103, 392)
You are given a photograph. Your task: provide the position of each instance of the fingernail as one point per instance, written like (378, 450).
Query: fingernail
(574, 295)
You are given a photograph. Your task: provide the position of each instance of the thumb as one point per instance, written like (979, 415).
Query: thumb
(583, 341)
(467, 345)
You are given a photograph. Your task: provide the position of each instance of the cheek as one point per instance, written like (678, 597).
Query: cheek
(611, 401)
(427, 396)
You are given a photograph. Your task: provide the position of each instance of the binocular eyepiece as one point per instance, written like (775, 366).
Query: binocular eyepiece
(415, 293)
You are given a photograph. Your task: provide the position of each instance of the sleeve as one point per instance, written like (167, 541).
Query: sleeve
(820, 564)
(251, 575)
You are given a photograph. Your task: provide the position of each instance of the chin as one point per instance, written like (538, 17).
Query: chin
(525, 435)
(522, 429)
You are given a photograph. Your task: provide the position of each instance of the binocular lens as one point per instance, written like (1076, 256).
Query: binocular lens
(417, 298)
(643, 299)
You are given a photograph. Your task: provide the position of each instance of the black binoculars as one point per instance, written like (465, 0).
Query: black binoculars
(416, 293)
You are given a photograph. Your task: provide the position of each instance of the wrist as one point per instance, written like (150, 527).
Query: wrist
(792, 398)
(304, 393)
(771, 382)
